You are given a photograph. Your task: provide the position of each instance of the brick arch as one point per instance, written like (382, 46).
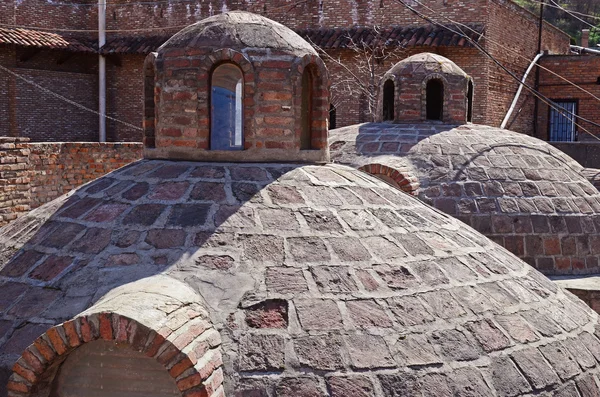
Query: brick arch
(397, 107)
(401, 178)
(446, 110)
(207, 65)
(320, 99)
(183, 340)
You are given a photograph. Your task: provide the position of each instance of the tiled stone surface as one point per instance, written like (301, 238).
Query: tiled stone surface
(521, 192)
(364, 291)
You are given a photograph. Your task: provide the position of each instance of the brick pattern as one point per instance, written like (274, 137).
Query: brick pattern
(177, 334)
(521, 192)
(323, 266)
(400, 177)
(581, 70)
(411, 77)
(14, 178)
(57, 168)
(272, 94)
(33, 174)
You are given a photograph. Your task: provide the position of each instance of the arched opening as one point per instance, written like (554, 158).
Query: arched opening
(149, 123)
(388, 100)
(107, 368)
(226, 119)
(470, 102)
(332, 117)
(306, 111)
(435, 99)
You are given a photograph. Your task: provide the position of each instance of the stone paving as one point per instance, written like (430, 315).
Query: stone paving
(321, 280)
(519, 191)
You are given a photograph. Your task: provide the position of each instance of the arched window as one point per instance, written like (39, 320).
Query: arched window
(470, 102)
(388, 100)
(435, 99)
(149, 123)
(306, 111)
(226, 119)
(332, 117)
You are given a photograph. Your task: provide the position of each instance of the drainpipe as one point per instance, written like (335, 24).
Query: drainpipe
(514, 103)
(102, 70)
(536, 85)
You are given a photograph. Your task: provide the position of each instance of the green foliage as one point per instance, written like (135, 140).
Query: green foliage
(567, 22)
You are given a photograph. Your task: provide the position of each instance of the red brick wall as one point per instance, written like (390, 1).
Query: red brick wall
(581, 70)
(32, 174)
(517, 31)
(57, 168)
(30, 112)
(14, 178)
(125, 99)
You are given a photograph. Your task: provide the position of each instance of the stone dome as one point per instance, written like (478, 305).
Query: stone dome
(239, 30)
(518, 190)
(426, 63)
(279, 280)
(423, 87)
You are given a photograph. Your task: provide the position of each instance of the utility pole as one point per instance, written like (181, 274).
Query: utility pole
(536, 85)
(102, 70)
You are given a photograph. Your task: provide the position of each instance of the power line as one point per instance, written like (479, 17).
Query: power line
(542, 97)
(67, 100)
(517, 53)
(558, 6)
(573, 15)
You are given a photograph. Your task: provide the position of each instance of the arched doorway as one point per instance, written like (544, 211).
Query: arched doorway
(435, 99)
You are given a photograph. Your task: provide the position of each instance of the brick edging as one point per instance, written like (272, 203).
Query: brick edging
(406, 182)
(197, 373)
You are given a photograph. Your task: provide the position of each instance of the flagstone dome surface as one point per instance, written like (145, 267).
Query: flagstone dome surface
(519, 191)
(283, 280)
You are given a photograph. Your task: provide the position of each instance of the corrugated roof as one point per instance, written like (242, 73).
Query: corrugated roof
(35, 38)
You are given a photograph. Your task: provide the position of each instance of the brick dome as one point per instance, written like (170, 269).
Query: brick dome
(236, 87)
(518, 190)
(423, 87)
(279, 280)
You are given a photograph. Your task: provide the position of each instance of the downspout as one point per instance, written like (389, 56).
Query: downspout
(102, 70)
(518, 94)
(536, 85)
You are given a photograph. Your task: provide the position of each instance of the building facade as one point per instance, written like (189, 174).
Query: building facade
(58, 51)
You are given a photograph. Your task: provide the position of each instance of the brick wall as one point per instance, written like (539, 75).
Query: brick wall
(125, 99)
(30, 112)
(583, 70)
(512, 34)
(14, 178)
(32, 174)
(57, 168)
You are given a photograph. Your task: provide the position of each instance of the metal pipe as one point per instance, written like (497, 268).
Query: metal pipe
(583, 50)
(536, 84)
(518, 94)
(102, 70)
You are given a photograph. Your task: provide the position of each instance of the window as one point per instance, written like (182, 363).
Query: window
(435, 99)
(332, 117)
(306, 111)
(562, 126)
(226, 128)
(470, 102)
(388, 100)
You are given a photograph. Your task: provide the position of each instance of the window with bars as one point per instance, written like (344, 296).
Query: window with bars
(562, 122)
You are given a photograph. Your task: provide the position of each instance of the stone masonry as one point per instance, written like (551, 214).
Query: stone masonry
(321, 280)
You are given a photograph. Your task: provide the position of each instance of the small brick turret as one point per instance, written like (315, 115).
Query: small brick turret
(236, 87)
(426, 87)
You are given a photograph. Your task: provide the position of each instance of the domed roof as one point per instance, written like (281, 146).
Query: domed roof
(320, 281)
(426, 63)
(238, 30)
(520, 191)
